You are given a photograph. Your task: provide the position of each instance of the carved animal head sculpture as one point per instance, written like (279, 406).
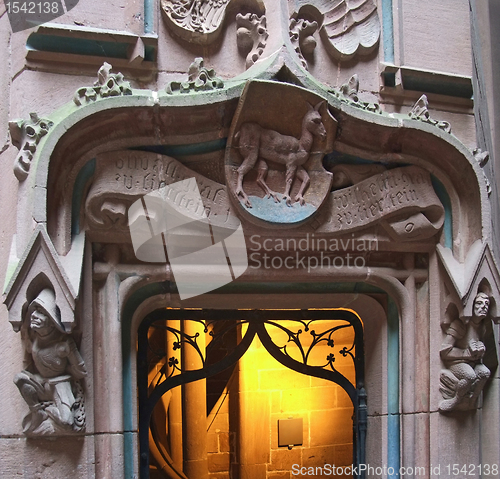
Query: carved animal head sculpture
(313, 122)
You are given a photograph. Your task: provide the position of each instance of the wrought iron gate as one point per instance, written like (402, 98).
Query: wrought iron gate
(293, 354)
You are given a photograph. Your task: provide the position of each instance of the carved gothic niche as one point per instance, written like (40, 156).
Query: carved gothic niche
(201, 21)
(478, 272)
(41, 267)
(41, 296)
(347, 27)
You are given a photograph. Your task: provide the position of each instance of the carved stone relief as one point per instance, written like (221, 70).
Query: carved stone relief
(199, 21)
(26, 134)
(50, 385)
(107, 84)
(462, 352)
(251, 36)
(200, 78)
(273, 167)
(350, 27)
(301, 36)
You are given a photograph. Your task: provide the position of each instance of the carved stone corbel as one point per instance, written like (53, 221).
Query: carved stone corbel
(462, 351)
(41, 297)
(50, 384)
(26, 135)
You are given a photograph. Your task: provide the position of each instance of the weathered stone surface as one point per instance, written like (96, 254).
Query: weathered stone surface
(219, 462)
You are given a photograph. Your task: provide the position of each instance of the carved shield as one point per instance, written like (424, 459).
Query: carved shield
(280, 133)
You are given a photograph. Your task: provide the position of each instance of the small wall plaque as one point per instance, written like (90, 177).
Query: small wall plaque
(290, 432)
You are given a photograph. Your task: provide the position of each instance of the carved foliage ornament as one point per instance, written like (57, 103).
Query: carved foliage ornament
(251, 36)
(420, 111)
(301, 36)
(200, 78)
(108, 84)
(50, 385)
(26, 135)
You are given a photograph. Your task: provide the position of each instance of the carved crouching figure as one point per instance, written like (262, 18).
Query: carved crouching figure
(50, 386)
(462, 352)
(258, 145)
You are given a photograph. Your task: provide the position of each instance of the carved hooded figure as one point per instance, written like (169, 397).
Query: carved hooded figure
(50, 384)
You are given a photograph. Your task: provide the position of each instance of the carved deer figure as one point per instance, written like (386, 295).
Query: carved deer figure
(258, 145)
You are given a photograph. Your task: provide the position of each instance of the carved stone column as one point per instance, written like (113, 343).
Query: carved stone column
(194, 399)
(108, 387)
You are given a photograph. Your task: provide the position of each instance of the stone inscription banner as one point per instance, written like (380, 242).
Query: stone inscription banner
(122, 177)
(403, 199)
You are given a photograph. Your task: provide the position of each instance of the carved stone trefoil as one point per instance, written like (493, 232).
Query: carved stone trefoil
(108, 84)
(462, 352)
(200, 78)
(301, 36)
(351, 27)
(50, 385)
(420, 111)
(26, 135)
(251, 36)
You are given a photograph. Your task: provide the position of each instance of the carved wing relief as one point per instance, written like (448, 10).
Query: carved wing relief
(350, 27)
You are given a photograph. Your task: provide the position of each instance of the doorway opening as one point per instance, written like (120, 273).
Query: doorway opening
(220, 392)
